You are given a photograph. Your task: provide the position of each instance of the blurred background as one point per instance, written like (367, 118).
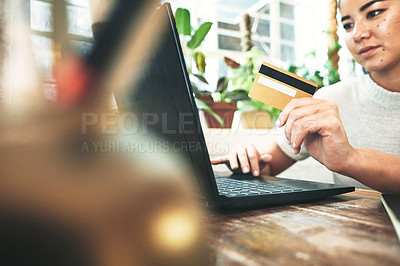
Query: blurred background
(286, 33)
(300, 36)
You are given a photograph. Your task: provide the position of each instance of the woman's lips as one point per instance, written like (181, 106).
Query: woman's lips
(368, 51)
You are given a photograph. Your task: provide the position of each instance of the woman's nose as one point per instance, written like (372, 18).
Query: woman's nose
(361, 31)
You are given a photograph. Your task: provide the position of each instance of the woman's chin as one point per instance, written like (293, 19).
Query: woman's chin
(381, 65)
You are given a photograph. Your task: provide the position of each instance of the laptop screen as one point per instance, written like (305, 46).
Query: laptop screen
(164, 103)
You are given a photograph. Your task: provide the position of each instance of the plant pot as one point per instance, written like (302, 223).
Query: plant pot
(259, 119)
(224, 110)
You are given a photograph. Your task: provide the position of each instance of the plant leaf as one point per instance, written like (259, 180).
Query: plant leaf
(200, 60)
(182, 19)
(237, 95)
(203, 106)
(222, 84)
(293, 69)
(199, 35)
(231, 63)
(201, 78)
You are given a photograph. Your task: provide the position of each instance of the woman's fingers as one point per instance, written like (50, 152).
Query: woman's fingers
(321, 118)
(295, 110)
(300, 130)
(303, 116)
(233, 160)
(293, 104)
(309, 111)
(243, 159)
(230, 161)
(266, 158)
(219, 160)
(254, 158)
(246, 159)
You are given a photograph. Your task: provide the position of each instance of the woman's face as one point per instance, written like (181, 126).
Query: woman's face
(373, 32)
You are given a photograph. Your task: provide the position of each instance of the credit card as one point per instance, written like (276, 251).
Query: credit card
(276, 87)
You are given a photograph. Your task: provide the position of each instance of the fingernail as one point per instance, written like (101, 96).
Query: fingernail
(294, 145)
(264, 156)
(245, 170)
(255, 173)
(278, 123)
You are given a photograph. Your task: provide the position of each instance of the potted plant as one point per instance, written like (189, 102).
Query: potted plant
(252, 113)
(222, 101)
(220, 104)
(191, 39)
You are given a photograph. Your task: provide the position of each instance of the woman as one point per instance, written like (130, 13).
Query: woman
(352, 127)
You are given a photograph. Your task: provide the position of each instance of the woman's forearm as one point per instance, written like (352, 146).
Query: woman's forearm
(375, 169)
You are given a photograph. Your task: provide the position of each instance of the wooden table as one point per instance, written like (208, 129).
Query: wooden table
(351, 229)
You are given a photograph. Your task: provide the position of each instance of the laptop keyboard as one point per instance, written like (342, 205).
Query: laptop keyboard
(233, 188)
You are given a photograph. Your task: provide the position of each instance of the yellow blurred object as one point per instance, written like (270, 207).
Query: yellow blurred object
(123, 211)
(176, 230)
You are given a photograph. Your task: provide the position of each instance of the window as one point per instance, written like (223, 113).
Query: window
(273, 31)
(227, 42)
(58, 26)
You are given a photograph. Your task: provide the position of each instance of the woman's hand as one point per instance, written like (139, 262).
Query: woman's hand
(246, 159)
(317, 123)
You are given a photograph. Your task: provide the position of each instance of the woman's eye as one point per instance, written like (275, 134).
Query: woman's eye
(374, 13)
(347, 26)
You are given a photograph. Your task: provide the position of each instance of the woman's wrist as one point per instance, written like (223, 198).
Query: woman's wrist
(350, 162)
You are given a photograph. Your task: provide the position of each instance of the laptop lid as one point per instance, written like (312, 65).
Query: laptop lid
(164, 103)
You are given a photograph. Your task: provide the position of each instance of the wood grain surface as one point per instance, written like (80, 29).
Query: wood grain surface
(351, 229)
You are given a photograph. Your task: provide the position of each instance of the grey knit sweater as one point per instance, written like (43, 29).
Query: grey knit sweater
(370, 115)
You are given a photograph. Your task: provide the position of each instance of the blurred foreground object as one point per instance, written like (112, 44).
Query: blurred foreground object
(114, 207)
(68, 196)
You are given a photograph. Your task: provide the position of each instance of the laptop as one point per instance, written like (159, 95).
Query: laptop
(163, 101)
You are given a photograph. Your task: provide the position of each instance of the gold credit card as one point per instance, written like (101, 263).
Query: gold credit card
(276, 87)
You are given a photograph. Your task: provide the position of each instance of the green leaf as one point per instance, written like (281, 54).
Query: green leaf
(313, 54)
(328, 64)
(201, 78)
(199, 35)
(317, 78)
(222, 84)
(195, 89)
(333, 76)
(237, 95)
(198, 92)
(182, 19)
(203, 106)
(200, 60)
